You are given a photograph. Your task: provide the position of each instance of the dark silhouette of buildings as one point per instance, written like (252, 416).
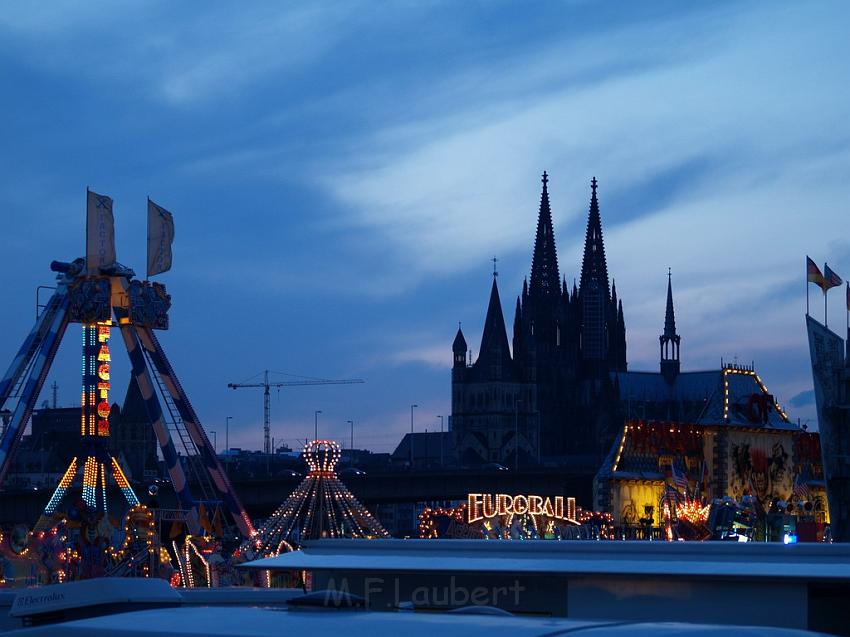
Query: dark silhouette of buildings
(132, 437)
(552, 398)
(55, 439)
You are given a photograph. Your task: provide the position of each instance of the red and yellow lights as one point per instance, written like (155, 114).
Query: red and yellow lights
(96, 384)
(481, 506)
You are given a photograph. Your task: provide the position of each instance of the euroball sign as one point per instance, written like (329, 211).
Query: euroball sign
(484, 506)
(504, 516)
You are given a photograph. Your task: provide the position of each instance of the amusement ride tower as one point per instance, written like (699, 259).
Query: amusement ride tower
(100, 293)
(94, 463)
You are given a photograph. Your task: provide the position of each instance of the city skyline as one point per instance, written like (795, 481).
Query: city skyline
(337, 224)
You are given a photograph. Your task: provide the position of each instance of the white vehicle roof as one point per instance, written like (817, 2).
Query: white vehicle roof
(260, 622)
(811, 562)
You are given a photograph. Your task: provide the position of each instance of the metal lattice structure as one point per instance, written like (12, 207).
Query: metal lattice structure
(104, 298)
(321, 506)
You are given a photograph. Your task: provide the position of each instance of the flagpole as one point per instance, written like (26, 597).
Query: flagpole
(87, 230)
(825, 315)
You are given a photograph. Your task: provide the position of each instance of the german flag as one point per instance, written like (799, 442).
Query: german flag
(813, 273)
(830, 278)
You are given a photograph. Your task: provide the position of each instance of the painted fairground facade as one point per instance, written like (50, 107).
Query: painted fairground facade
(709, 454)
(741, 468)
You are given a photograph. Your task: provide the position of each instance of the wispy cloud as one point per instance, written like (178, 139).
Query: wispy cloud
(436, 355)
(180, 57)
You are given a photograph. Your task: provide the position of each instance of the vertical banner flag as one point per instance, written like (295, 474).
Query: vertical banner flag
(100, 231)
(160, 236)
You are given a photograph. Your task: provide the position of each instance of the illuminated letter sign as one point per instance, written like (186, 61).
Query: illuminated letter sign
(482, 506)
(103, 386)
(473, 503)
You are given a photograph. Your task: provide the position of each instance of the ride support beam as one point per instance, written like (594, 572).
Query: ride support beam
(32, 386)
(141, 374)
(193, 426)
(33, 340)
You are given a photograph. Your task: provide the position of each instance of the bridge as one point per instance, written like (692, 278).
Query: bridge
(261, 496)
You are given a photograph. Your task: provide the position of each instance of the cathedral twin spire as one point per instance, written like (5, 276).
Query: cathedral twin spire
(548, 318)
(594, 265)
(545, 281)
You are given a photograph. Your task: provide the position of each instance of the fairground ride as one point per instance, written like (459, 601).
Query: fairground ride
(101, 300)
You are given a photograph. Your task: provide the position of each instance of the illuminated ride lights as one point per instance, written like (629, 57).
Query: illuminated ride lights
(320, 506)
(64, 483)
(96, 462)
(693, 511)
(141, 554)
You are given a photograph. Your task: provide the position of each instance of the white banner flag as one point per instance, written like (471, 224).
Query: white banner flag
(160, 236)
(100, 232)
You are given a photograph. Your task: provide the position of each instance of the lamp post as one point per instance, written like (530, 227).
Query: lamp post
(215, 442)
(227, 436)
(351, 458)
(517, 402)
(316, 423)
(412, 407)
(538, 436)
(441, 441)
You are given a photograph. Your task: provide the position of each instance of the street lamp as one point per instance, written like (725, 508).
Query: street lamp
(316, 423)
(227, 433)
(441, 441)
(517, 402)
(412, 407)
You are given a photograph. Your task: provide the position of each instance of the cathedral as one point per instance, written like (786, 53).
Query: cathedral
(551, 398)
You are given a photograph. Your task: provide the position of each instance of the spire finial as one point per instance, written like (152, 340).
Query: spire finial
(495, 271)
(670, 317)
(593, 186)
(545, 178)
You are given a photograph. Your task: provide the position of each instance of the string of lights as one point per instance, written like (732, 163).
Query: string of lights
(320, 506)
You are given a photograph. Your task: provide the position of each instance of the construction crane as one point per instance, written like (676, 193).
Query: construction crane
(266, 385)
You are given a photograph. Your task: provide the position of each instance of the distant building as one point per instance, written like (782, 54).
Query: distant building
(431, 450)
(711, 434)
(132, 437)
(550, 399)
(56, 430)
(45, 453)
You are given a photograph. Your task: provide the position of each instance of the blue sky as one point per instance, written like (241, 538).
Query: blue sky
(341, 175)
